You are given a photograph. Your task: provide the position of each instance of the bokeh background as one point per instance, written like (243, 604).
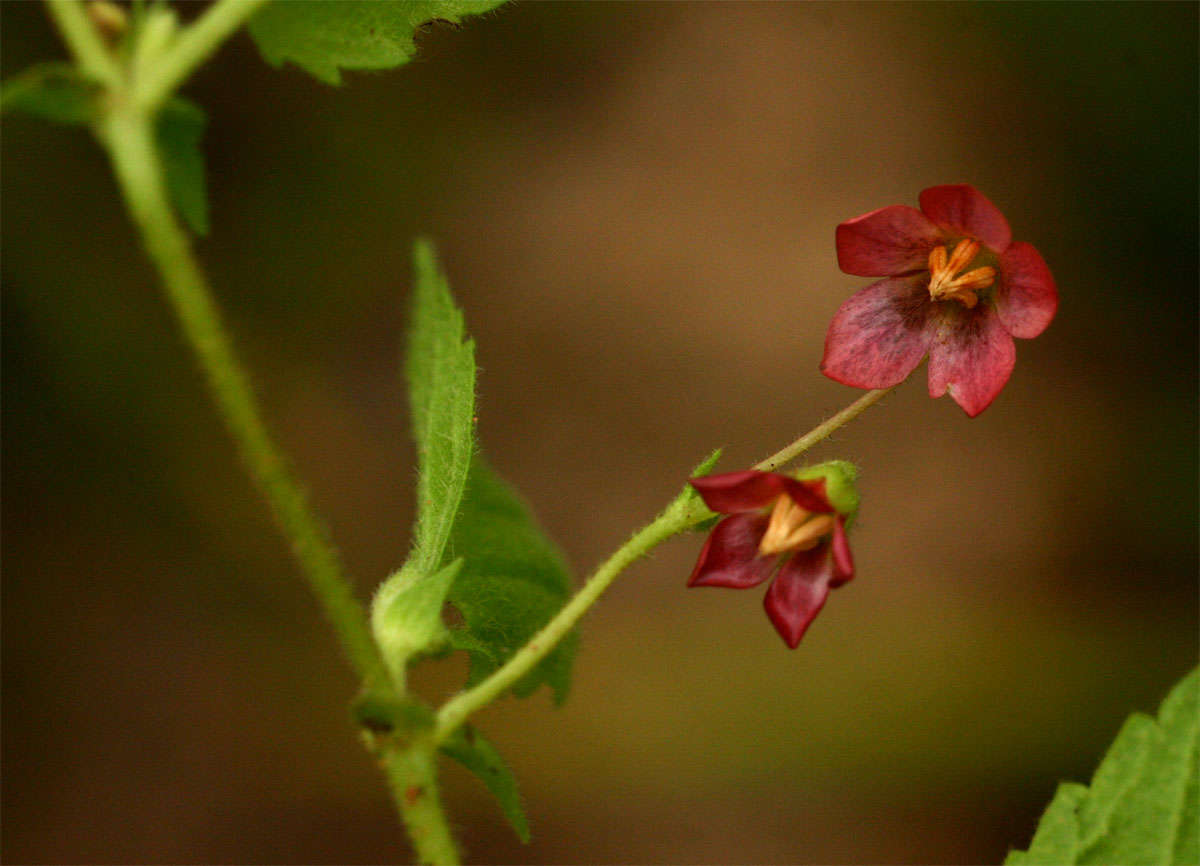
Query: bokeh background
(635, 204)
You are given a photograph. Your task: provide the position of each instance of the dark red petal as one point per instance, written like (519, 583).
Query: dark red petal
(735, 492)
(1026, 296)
(965, 209)
(880, 335)
(892, 240)
(799, 592)
(843, 562)
(730, 555)
(972, 357)
(808, 493)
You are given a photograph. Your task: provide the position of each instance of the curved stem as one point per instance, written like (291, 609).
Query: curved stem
(84, 41)
(127, 132)
(823, 430)
(194, 45)
(686, 511)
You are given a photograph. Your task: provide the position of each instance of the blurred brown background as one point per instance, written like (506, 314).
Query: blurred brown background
(636, 206)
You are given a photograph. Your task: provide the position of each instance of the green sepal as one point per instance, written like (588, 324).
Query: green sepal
(841, 490)
(469, 748)
(52, 91)
(406, 614)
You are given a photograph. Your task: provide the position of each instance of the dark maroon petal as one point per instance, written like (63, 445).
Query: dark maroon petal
(730, 555)
(808, 493)
(880, 335)
(735, 492)
(799, 592)
(971, 356)
(964, 209)
(1026, 296)
(892, 240)
(843, 562)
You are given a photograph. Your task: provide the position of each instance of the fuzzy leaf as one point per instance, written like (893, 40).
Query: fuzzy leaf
(406, 614)
(514, 579)
(51, 91)
(441, 383)
(179, 130)
(1143, 805)
(469, 748)
(325, 36)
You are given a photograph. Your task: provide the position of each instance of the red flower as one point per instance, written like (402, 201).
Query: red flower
(784, 526)
(957, 288)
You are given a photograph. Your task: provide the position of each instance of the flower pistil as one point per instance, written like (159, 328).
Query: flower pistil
(948, 282)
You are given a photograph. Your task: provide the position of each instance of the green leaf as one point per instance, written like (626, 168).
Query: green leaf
(514, 579)
(469, 748)
(51, 91)
(325, 36)
(179, 129)
(1143, 806)
(406, 614)
(441, 387)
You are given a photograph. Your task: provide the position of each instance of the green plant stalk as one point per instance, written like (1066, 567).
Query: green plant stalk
(194, 45)
(686, 511)
(84, 41)
(128, 134)
(412, 777)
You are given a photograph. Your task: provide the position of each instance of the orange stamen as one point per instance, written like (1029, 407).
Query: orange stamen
(792, 528)
(947, 283)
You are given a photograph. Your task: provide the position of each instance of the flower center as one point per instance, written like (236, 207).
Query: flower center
(792, 528)
(947, 281)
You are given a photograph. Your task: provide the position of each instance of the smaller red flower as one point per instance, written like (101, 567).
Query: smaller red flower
(958, 289)
(782, 526)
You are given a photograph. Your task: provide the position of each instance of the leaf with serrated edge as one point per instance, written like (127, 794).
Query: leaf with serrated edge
(324, 37)
(1142, 806)
(179, 130)
(469, 748)
(514, 579)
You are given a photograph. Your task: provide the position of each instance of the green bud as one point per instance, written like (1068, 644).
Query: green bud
(840, 488)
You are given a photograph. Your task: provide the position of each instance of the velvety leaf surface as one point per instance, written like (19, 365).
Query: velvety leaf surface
(406, 612)
(179, 129)
(324, 37)
(513, 580)
(469, 748)
(1143, 805)
(441, 387)
(51, 91)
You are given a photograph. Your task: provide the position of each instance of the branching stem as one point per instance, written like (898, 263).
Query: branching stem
(686, 511)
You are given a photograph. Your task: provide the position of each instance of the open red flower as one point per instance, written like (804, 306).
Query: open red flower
(957, 289)
(782, 526)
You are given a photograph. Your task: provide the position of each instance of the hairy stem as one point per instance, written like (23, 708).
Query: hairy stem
(823, 430)
(194, 45)
(127, 132)
(84, 41)
(412, 777)
(686, 511)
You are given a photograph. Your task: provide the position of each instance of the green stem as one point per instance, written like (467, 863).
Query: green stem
(84, 41)
(194, 45)
(412, 777)
(686, 511)
(127, 132)
(822, 431)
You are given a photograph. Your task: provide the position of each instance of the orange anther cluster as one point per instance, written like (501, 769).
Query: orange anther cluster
(793, 528)
(946, 282)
